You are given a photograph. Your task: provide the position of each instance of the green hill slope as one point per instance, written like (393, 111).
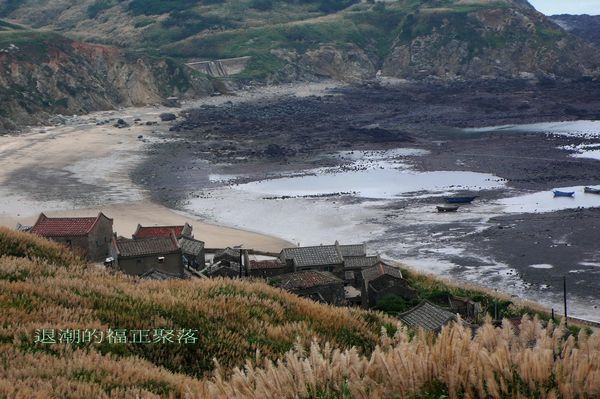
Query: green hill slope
(345, 39)
(44, 73)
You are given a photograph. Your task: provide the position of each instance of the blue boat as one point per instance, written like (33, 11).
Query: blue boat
(460, 200)
(563, 193)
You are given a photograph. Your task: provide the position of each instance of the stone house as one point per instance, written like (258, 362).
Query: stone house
(143, 255)
(352, 250)
(228, 256)
(193, 252)
(354, 265)
(314, 284)
(427, 316)
(267, 268)
(323, 257)
(88, 236)
(229, 270)
(382, 280)
(467, 308)
(163, 231)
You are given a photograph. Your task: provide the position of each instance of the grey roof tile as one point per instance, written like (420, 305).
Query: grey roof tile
(313, 256)
(353, 250)
(427, 316)
(360, 262)
(190, 246)
(380, 269)
(147, 246)
(306, 279)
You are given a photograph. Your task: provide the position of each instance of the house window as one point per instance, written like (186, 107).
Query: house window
(161, 259)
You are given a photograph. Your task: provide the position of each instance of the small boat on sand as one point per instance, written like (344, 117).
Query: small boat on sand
(460, 200)
(591, 190)
(558, 193)
(447, 208)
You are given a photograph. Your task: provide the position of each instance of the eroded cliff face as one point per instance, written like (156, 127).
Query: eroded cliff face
(504, 42)
(46, 74)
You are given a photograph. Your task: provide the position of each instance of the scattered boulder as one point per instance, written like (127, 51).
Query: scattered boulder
(171, 102)
(275, 151)
(167, 116)
(121, 124)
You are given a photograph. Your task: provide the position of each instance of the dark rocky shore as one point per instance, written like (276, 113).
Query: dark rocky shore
(269, 136)
(291, 133)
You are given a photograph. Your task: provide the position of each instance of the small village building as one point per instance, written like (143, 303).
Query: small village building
(427, 316)
(467, 308)
(193, 252)
(140, 256)
(219, 269)
(163, 231)
(352, 250)
(383, 280)
(322, 257)
(159, 276)
(88, 236)
(314, 284)
(354, 265)
(228, 256)
(267, 268)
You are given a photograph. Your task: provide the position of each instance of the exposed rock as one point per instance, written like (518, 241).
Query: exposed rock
(172, 102)
(586, 27)
(52, 74)
(167, 116)
(504, 42)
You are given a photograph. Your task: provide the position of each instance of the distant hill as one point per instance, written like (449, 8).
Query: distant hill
(586, 27)
(44, 73)
(347, 40)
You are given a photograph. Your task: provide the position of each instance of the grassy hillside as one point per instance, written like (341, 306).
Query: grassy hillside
(42, 286)
(242, 329)
(342, 39)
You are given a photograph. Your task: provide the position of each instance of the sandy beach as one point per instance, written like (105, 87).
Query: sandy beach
(83, 167)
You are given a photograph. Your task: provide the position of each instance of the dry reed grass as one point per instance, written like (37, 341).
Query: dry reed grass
(258, 342)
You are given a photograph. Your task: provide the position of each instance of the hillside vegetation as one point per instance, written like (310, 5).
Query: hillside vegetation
(254, 341)
(43, 73)
(343, 39)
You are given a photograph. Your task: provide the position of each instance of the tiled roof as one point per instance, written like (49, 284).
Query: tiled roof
(162, 231)
(427, 316)
(228, 252)
(146, 246)
(360, 262)
(222, 270)
(265, 264)
(353, 250)
(189, 246)
(380, 269)
(306, 279)
(159, 275)
(64, 226)
(313, 256)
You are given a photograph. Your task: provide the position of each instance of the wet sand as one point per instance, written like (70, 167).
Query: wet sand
(83, 167)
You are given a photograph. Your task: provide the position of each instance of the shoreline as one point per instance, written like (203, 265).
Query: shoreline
(75, 183)
(83, 166)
